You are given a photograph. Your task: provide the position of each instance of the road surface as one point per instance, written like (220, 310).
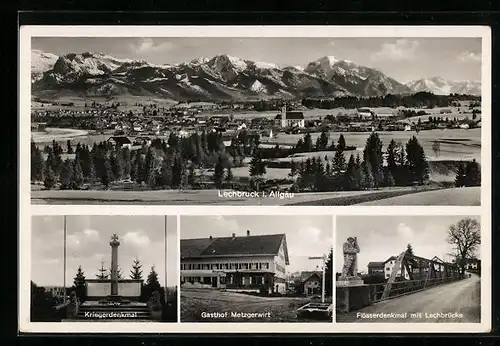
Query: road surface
(460, 297)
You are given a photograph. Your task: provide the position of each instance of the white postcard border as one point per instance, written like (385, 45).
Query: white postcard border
(26, 210)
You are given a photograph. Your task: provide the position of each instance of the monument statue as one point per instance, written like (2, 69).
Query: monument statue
(351, 250)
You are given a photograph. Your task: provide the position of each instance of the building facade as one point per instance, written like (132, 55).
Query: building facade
(311, 283)
(290, 119)
(237, 263)
(376, 268)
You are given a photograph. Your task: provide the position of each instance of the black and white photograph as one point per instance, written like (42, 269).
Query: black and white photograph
(311, 121)
(104, 268)
(408, 269)
(263, 268)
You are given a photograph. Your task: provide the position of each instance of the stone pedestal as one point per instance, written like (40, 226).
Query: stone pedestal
(352, 295)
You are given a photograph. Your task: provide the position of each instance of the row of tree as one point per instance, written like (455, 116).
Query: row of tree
(417, 100)
(402, 166)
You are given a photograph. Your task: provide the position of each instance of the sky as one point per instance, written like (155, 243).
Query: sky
(306, 236)
(87, 244)
(403, 59)
(380, 237)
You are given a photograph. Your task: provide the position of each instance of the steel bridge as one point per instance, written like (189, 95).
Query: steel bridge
(412, 274)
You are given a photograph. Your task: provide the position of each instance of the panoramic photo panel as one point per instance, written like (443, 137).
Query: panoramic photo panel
(408, 269)
(266, 268)
(104, 268)
(256, 121)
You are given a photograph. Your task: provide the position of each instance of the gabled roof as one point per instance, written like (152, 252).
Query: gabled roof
(291, 115)
(237, 246)
(306, 275)
(390, 259)
(120, 140)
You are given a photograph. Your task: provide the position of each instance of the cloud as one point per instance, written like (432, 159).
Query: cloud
(403, 49)
(228, 226)
(92, 234)
(469, 57)
(404, 231)
(136, 239)
(331, 43)
(148, 45)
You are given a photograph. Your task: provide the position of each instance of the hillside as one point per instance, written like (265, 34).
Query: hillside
(220, 77)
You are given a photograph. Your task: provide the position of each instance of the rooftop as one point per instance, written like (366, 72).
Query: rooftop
(249, 245)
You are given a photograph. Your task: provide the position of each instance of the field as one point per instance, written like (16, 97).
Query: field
(454, 196)
(195, 301)
(468, 196)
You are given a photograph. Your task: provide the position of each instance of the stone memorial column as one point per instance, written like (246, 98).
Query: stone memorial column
(114, 264)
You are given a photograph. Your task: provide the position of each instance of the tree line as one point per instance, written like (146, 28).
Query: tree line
(174, 163)
(417, 100)
(402, 166)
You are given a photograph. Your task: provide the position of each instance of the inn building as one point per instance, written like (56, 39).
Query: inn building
(251, 263)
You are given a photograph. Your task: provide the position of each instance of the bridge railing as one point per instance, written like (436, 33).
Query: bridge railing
(400, 288)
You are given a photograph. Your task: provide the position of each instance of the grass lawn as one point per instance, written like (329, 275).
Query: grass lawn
(194, 302)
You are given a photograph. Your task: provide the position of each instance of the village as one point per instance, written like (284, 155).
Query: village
(184, 119)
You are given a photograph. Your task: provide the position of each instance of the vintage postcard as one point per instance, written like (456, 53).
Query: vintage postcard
(274, 268)
(271, 179)
(313, 121)
(103, 268)
(408, 269)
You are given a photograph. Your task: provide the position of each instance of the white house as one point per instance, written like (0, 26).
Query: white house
(365, 113)
(236, 263)
(389, 266)
(290, 119)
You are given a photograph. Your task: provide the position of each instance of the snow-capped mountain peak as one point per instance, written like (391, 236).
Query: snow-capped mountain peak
(441, 86)
(40, 63)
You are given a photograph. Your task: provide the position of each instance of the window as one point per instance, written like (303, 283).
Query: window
(223, 280)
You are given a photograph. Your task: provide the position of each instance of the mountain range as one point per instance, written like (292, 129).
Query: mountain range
(221, 77)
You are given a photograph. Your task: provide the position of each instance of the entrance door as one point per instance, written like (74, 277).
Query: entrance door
(214, 281)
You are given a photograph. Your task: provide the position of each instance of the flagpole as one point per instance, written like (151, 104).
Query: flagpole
(165, 243)
(323, 284)
(64, 266)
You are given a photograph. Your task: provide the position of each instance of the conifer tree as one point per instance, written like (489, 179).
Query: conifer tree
(341, 142)
(218, 173)
(136, 271)
(69, 149)
(77, 178)
(293, 169)
(339, 162)
(417, 164)
(472, 174)
(308, 145)
(37, 163)
(103, 273)
(152, 282)
(257, 165)
(351, 181)
(79, 284)
(366, 177)
(460, 176)
(372, 154)
(229, 174)
(50, 178)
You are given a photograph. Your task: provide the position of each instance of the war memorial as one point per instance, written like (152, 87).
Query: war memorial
(114, 299)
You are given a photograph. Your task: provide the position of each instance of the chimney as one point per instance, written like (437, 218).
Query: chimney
(248, 232)
(234, 235)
